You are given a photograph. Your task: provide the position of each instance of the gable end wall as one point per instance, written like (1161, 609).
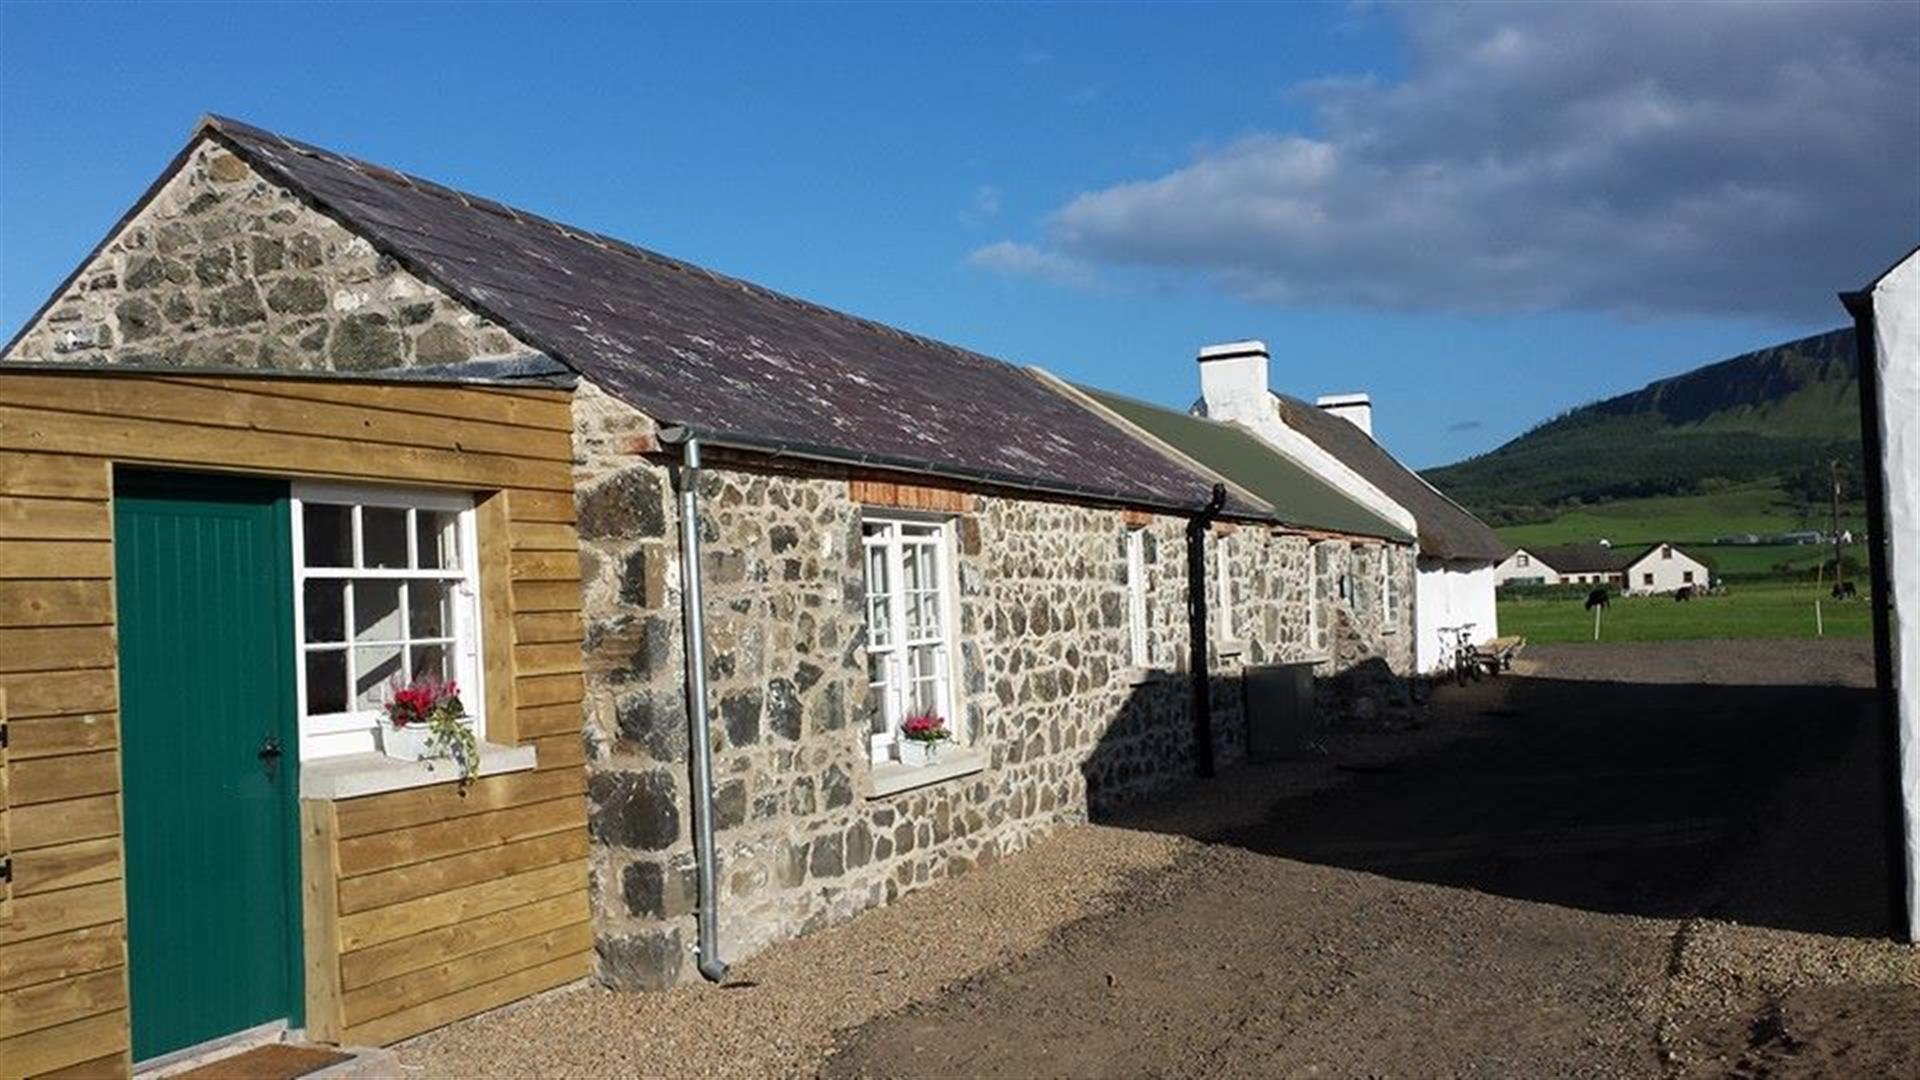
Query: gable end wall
(223, 268)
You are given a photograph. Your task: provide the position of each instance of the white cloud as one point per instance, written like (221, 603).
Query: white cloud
(1024, 260)
(1703, 158)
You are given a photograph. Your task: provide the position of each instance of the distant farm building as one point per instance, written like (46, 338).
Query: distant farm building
(1657, 568)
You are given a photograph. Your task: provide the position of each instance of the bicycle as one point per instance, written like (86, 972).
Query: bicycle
(1466, 659)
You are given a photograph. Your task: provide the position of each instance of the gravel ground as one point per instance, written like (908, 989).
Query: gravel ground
(1396, 907)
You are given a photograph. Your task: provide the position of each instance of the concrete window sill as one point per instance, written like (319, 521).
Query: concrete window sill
(1143, 676)
(350, 776)
(892, 778)
(1232, 648)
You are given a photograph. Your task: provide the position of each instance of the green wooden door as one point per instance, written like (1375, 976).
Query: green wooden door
(212, 827)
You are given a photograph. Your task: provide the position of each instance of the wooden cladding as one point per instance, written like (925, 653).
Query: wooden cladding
(421, 906)
(910, 496)
(1136, 519)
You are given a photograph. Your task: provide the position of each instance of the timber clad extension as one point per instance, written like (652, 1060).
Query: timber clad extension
(421, 905)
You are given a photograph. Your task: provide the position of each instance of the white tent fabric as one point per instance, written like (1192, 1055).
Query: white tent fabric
(1896, 341)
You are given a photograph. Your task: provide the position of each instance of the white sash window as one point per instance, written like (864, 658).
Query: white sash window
(1139, 648)
(909, 628)
(384, 591)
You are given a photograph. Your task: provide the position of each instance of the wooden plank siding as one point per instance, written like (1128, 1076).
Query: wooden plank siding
(422, 906)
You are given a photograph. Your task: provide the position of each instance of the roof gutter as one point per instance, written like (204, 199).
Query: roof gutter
(680, 434)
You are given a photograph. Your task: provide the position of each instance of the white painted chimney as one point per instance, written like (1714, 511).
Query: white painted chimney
(1233, 381)
(1356, 409)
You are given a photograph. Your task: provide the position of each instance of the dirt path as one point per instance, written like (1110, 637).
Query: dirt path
(1562, 874)
(1583, 827)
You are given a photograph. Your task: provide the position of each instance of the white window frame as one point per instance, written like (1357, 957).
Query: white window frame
(327, 735)
(1223, 586)
(1139, 642)
(1389, 616)
(881, 746)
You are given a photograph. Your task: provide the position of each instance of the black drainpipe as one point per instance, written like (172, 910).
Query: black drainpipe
(1197, 528)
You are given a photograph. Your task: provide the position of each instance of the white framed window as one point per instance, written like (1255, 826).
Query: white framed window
(910, 628)
(1389, 603)
(1223, 592)
(1523, 559)
(384, 589)
(1139, 646)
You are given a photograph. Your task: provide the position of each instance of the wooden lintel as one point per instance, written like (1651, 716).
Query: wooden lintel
(910, 496)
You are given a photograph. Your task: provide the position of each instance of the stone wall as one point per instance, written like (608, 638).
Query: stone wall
(222, 268)
(1064, 726)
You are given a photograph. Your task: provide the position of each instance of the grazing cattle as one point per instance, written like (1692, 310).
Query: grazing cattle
(1598, 598)
(1683, 594)
(1845, 591)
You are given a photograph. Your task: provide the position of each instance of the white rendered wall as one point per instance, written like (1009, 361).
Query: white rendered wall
(1896, 333)
(1510, 569)
(1450, 594)
(1668, 574)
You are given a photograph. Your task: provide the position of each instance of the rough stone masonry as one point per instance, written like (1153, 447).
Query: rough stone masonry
(221, 268)
(1063, 724)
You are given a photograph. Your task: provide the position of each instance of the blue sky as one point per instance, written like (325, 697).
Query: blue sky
(1481, 215)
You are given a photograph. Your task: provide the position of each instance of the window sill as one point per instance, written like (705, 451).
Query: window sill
(350, 776)
(892, 778)
(1141, 676)
(1231, 648)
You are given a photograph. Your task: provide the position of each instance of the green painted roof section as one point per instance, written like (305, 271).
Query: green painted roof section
(1298, 496)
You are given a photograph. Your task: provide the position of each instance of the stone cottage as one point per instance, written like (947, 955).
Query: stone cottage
(886, 527)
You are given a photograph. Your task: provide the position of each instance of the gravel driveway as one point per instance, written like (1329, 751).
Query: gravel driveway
(1674, 875)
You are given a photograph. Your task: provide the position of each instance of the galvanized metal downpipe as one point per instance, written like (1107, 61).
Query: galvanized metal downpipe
(693, 615)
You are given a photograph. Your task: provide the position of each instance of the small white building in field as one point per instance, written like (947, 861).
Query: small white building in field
(1663, 568)
(1523, 567)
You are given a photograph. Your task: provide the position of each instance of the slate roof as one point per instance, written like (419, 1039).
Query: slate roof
(1446, 530)
(1584, 558)
(731, 361)
(1298, 495)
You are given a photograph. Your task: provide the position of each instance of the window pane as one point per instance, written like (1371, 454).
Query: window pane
(373, 669)
(326, 682)
(429, 609)
(430, 660)
(923, 660)
(878, 583)
(376, 610)
(383, 537)
(329, 534)
(879, 623)
(325, 615)
(439, 539)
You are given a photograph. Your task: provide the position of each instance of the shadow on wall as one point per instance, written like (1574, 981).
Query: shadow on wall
(1150, 744)
(1765, 805)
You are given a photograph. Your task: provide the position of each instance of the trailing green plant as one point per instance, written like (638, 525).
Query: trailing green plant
(435, 704)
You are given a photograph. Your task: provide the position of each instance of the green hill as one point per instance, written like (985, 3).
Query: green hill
(1763, 425)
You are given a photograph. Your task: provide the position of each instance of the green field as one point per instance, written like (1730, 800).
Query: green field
(1760, 508)
(1747, 611)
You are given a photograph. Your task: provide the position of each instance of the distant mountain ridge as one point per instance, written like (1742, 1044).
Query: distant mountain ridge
(1778, 412)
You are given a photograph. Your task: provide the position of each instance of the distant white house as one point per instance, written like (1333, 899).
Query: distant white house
(1523, 567)
(1664, 568)
(1659, 568)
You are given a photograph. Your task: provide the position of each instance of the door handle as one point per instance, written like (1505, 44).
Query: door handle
(269, 756)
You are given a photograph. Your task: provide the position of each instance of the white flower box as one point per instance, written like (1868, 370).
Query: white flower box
(410, 743)
(915, 753)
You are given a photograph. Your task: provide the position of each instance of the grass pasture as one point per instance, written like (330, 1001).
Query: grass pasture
(1759, 508)
(1747, 611)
